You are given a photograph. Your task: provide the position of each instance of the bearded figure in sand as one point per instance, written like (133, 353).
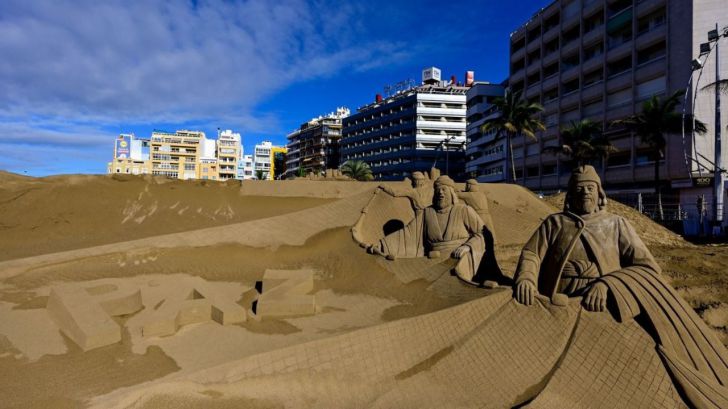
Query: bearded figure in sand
(445, 228)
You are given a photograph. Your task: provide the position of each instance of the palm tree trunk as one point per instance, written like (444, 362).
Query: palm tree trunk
(658, 191)
(513, 161)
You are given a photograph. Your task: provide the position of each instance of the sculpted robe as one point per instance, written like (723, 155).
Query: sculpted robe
(441, 233)
(605, 247)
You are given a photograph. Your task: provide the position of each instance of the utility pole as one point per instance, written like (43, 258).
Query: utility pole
(718, 174)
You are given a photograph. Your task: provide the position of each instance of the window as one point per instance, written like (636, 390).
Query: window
(571, 86)
(550, 70)
(593, 77)
(644, 156)
(547, 170)
(532, 171)
(651, 21)
(593, 51)
(621, 158)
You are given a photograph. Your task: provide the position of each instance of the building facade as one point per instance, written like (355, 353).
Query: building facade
(229, 152)
(314, 146)
(601, 59)
(263, 159)
(131, 156)
(413, 130)
(177, 155)
(485, 156)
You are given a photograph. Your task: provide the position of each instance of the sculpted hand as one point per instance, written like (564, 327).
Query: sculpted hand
(525, 292)
(596, 297)
(461, 251)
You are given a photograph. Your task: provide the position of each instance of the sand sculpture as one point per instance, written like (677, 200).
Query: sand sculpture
(585, 251)
(285, 293)
(443, 229)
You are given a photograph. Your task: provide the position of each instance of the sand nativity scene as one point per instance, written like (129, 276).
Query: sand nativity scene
(422, 293)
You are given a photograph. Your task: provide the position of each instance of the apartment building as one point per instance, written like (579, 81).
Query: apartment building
(263, 159)
(314, 146)
(131, 156)
(486, 157)
(601, 59)
(177, 155)
(245, 170)
(413, 130)
(229, 152)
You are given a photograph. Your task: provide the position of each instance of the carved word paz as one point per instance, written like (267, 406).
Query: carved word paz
(83, 313)
(196, 302)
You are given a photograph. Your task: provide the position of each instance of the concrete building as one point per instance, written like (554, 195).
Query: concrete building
(263, 159)
(601, 59)
(229, 152)
(314, 146)
(177, 154)
(485, 157)
(247, 168)
(131, 156)
(412, 130)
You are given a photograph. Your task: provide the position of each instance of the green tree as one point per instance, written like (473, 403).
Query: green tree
(657, 119)
(260, 175)
(516, 117)
(583, 142)
(357, 169)
(301, 173)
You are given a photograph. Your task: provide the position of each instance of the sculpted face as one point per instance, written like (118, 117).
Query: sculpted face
(584, 198)
(443, 197)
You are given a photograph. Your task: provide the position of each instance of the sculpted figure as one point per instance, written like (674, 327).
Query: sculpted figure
(420, 195)
(586, 251)
(447, 227)
(477, 199)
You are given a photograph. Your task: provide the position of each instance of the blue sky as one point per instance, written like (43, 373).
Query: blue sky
(75, 74)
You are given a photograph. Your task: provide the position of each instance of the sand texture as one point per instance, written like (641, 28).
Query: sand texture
(175, 268)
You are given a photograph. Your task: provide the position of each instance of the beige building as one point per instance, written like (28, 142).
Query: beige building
(229, 154)
(176, 154)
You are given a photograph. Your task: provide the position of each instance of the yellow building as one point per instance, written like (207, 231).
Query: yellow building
(177, 154)
(273, 151)
(209, 169)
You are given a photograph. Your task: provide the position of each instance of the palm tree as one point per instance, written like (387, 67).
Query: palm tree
(657, 119)
(357, 169)
(260, 175)
(516, 117)
(583, 142)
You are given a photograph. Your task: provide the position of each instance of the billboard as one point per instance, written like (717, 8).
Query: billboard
(431, 74)
(123, 148)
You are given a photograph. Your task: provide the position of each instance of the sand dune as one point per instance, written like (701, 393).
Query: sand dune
(144, 231)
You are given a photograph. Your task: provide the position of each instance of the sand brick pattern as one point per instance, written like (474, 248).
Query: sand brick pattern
(610, 365)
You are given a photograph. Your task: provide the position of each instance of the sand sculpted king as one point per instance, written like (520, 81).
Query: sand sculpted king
(586, 251)
(445, 228)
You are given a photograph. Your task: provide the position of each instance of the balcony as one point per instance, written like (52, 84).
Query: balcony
(533, 68)
(570, 74)
(619, 81)
(650, 69)
(533, 46)
(550, 58)
(619, 112)
(571, 47)
(646, 7)
(590, 7)
(551, 81)
(592, 91)
(593, 63)
(519, 54)
(551, 33)
(570, 100)
(533, 90)
(596, 34)
(650, 37)
(619, 49)
(517, 76)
